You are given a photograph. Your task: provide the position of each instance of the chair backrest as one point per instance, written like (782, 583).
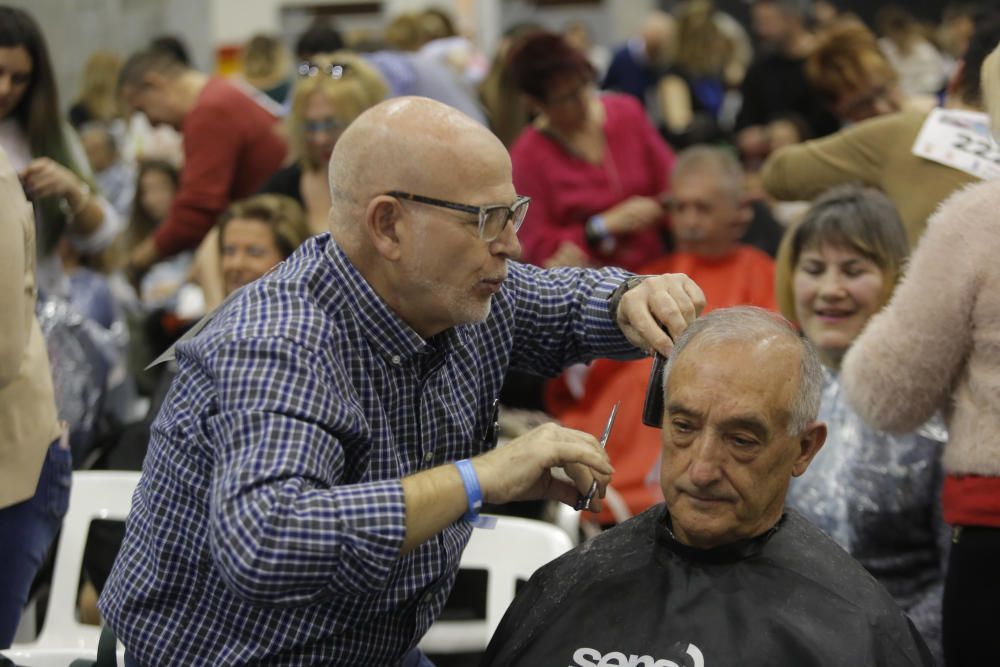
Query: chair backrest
(94, 495)
(510, 553)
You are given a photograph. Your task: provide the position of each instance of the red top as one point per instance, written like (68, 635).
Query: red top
(231, 147)
(745, 277)
(566, 190)
(971, 500)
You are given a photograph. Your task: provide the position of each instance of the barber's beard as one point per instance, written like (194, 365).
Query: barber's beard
(461, 303)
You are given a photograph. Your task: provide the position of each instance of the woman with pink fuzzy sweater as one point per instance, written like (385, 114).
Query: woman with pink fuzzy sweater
(936, 347)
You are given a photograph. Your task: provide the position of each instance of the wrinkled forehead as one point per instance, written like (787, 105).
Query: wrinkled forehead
(761, 374)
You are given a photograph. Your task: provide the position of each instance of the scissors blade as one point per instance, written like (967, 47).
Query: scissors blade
(583, 502)
(611, 422)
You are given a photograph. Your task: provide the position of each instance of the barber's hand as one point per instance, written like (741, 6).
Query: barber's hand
(521, 469)
(672, 300)
(44, 177)
(634, 214)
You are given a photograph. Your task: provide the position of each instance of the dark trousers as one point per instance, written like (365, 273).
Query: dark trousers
(26, 533)
(971, 617)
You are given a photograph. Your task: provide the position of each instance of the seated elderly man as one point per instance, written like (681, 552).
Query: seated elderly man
(708, 215)
(720, 575)
(318, 465)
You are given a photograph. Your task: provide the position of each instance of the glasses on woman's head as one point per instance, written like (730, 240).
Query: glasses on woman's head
(492, 219)
(308, 68)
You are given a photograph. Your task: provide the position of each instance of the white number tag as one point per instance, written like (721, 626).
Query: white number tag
(961, 140)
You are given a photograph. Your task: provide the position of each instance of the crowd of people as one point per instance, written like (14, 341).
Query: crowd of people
(361, 247)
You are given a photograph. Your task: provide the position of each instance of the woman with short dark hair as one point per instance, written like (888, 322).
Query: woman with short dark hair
(594, 166)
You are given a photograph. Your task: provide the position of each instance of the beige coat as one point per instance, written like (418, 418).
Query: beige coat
(28, 422)
(877, 152)
(936, 346)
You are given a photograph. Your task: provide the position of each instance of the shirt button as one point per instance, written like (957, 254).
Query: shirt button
(396, 360)
(428, 457)
(427, 597)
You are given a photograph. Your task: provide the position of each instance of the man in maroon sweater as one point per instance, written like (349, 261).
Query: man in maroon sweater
(231, 146)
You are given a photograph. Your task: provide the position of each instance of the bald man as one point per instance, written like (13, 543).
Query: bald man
(317, 468)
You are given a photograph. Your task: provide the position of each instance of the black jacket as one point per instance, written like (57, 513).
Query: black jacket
(635, 596)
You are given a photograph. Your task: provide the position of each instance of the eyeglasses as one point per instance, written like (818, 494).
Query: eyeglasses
(332, 70)
(323, 125)
(493, 219)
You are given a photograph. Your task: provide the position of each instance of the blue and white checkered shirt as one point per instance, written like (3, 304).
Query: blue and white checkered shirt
(268, 523)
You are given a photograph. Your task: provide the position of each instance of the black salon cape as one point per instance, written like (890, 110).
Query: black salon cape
(634, 596)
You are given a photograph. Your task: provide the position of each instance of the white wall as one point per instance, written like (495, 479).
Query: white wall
(74, 29)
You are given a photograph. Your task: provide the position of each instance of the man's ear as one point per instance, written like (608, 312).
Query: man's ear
(382, 218)
(810, 442)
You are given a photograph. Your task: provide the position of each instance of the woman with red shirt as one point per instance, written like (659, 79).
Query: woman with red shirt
(594, 166)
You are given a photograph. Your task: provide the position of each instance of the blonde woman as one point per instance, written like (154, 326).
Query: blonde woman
(330, 92)
(98, 100)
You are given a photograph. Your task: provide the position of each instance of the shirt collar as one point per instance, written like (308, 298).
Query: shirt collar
(383, 328)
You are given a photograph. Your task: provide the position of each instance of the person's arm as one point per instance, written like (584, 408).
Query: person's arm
(563, 316)
(15, 217)
(284, 527)
(211, 150)
(520, 470)
(903, 366)
(855, 154)
(44, 177)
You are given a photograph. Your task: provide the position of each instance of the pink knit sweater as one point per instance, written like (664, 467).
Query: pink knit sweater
(936, 346)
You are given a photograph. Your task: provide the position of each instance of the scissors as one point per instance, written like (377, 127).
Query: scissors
(583, 502)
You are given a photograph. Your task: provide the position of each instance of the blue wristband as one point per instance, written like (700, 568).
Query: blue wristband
(473, 493)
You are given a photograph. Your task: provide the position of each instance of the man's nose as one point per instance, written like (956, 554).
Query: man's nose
(235, 261)
(5, 85)
(706, 461)
(507, 244)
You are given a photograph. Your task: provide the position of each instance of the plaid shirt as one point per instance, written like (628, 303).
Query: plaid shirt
(269, 519)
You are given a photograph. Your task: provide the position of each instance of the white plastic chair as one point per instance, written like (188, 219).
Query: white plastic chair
(509, 553)
(47, 657)
(94, 495)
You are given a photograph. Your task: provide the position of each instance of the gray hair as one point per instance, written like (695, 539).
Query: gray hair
(718, 162)
(749, 324)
